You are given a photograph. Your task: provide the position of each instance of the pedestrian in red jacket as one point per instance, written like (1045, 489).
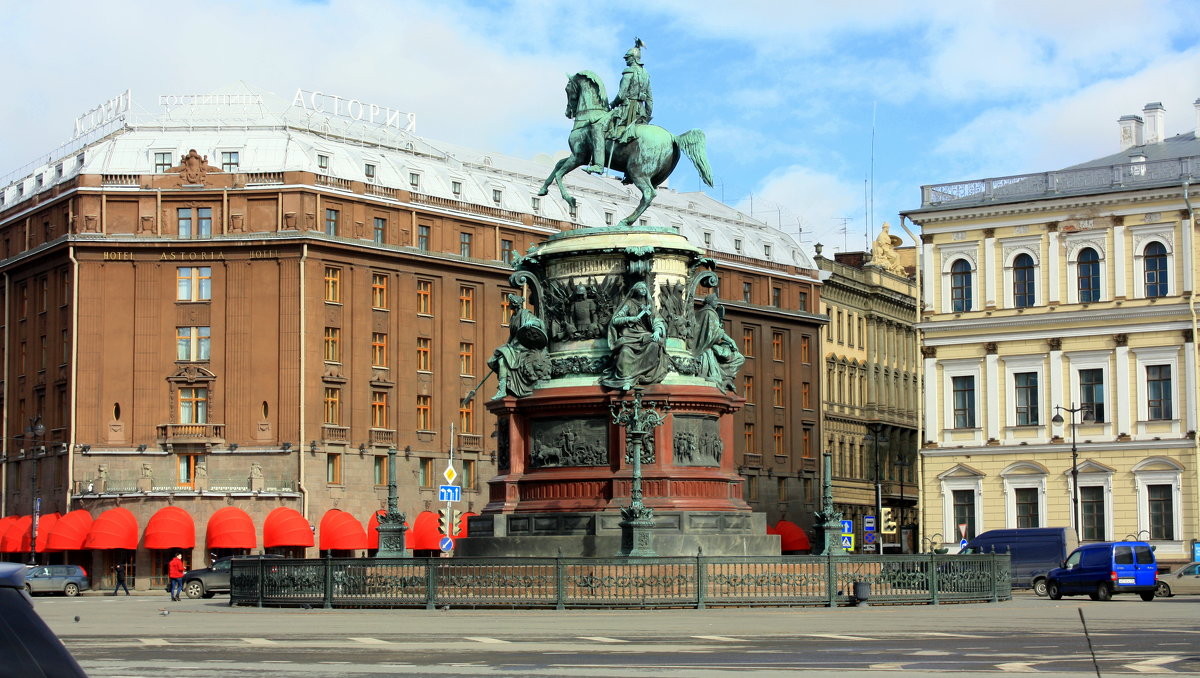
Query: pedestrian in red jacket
(175, 572)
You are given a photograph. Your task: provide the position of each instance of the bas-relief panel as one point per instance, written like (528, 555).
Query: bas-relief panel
(697, 441)
(569, 441)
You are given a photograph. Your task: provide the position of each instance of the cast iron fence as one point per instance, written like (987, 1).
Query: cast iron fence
(562, 583)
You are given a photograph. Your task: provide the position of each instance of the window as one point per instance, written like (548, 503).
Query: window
(379, 349)
(331, 222)
(414, 181)
(424, 412)
(162, 162)
(192, 343)
(806, 395)
(466, 419)
(381, 474)
(964, 511)
(187, 468)
(333, 344)
(805, 350)
(608, 218)
(333, 405)
(369, 171)
(379, 409)
(1023, 281)
(464, 244)
(1154, 265)
(506, 251)
(1091, 512)
(535, 203)
(747, 291)
(803, 305)
(424, 297)
(497, 196)
(1026, 385)
(737, 244)
(423, 238)
(1158, 391)
(748, 435)
(193, 405)
(322, 162)
(424, 345)
(777, 440)
(456, 188)
(573, 210)
(751, 488)
(748, 388)
(506, 311)
(1091, 392)
(1161, 506)
(470, 480)
(333, 284)
(195, 222)
(379, 290)
(777, 392)
(466, 302)
(194, 283)
(380, 230)
(466, 358)
(748, 342)
(333, 468)
(777, 297)
(426, 476)
(708, 239)
(1088, 276)
(1026, 500)
(964, 401)
(960, 286)
(777, 345)
(767, 251)
(230, 160)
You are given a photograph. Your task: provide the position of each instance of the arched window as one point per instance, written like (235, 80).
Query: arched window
(1089, 276)
(960, 286)
(1154, 263)
(1023, 281)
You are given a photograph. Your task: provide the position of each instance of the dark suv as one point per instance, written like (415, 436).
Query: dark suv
(209, 581)
(65, 579)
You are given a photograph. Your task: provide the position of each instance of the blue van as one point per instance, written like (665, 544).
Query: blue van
(1032, 551)
(1105, 568)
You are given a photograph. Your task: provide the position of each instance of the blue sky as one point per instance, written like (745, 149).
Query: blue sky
(786, 91)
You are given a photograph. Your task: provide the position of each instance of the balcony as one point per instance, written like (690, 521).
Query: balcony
(470, 442)
(335, 434)
(383, 436)
(191, 433)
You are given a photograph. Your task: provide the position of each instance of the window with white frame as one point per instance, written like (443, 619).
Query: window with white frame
(1025, 492)
(1024, 287)
(1025, 386)
(962, 503)
(1086, 274)
(960, 379)
(1157, 481)
(1095, 500)
(1024, 378)
(1089, 382)
(959, 266)
(963, 394)
(1156, 367)
(960, 286)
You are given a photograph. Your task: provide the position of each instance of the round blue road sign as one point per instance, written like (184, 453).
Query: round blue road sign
(446, 544)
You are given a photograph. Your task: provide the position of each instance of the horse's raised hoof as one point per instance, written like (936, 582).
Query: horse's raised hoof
(594, 169)
(542, 191)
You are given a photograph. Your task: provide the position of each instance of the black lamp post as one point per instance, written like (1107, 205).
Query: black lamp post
(877, 437)
(1087, 418)
(36, 430)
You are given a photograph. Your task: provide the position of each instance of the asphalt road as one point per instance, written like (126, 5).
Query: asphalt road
(129, 636)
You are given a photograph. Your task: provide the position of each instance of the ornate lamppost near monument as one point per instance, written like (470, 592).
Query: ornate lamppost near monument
(828, 519)
(391, 524)
(639, 419)
(36, 430)
(1087, 418)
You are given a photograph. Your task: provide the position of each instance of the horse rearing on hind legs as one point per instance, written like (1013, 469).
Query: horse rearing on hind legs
(646, 160)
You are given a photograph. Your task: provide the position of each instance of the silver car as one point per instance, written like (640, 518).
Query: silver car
(66, 579)
(1184, 580)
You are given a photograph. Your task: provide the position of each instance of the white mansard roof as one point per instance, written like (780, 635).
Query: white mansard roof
(271, 134)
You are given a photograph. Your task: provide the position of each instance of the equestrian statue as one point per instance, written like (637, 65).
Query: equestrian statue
(617, 135)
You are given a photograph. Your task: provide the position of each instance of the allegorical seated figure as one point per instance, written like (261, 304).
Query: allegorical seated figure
(718, 355)
(637, 337)
(511, 361)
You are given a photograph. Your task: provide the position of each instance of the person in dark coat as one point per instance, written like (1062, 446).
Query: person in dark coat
(120, 570)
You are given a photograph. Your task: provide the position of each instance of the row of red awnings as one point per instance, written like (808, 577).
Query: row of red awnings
(229, 528)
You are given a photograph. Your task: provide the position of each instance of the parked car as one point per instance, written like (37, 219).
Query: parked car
(1105, 568)
(209, 581)
(1184, 580)
(30, 648)
(1032, 551)
(65, 579)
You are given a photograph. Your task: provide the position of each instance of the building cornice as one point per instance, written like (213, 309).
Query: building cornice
(1084, 448)
(1099, 321)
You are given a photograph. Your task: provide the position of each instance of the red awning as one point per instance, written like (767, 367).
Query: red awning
(792, 537)
(45, 526)
(69, 532)
(16, 538)
(116, 528)
(462, 525)
(340, 531)
(286, 526)
(170, 528)
(424, 532)
(231, 528)
(373, 533)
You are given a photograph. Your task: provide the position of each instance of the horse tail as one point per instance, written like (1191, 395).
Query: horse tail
(693, 144)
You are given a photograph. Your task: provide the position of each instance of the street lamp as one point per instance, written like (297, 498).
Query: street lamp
(36, 430)
(1088, 418)
(877, 437)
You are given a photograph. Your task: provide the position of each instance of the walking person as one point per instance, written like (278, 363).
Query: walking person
(175, 572)
(120, 570)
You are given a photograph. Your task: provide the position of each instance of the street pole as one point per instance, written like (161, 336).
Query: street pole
(1087, 418)
(36, 430)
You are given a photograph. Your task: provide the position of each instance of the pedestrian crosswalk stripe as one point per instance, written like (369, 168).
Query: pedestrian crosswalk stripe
(602, 639)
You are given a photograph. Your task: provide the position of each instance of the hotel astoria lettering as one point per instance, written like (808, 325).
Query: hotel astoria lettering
(186, 255)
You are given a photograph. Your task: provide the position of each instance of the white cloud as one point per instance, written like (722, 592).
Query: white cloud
(813, 200)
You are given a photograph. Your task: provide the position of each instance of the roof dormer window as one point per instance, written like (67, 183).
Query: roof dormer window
(737, 244)
(414, 181)
(322, 162)
(456, 188)
(369, 171)
(767, 251)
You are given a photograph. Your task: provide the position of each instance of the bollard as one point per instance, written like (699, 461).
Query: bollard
(862, 593)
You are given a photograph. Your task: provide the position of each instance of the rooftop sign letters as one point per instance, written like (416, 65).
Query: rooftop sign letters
(319, 102)
(171, 100)
(106, 112)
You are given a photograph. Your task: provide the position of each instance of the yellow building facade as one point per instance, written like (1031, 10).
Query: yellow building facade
(1060, 291)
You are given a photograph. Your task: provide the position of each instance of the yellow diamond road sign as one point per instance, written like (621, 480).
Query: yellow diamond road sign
(450, 474)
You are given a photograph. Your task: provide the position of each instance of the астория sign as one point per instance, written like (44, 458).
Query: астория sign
(319, 102)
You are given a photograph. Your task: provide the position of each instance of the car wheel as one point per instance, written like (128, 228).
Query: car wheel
(1163, 590)
(1103, 592)
(194, 589)
(1147, 595)
(1039, 587)
(71, 589)
(29, 589)
(1053, 591)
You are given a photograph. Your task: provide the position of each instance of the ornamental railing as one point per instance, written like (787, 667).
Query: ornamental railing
(1063, 182)
(561, 583)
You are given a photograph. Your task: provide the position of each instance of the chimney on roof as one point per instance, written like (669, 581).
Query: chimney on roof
(1131, 131)
(1155, 116)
